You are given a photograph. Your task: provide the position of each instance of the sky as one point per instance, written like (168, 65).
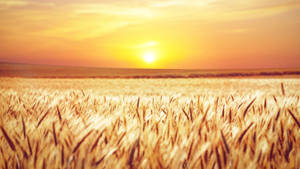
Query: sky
(185, 34)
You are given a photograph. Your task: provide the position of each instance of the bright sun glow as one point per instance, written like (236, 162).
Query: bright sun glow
(149, 57)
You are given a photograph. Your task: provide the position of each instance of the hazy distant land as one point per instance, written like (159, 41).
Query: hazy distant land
(47, 71)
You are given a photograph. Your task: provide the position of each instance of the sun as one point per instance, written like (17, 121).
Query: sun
(149, 57)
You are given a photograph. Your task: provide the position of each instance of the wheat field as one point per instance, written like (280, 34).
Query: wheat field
(150, 123)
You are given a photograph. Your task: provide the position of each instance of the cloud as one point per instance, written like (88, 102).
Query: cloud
(13, 3)
(108, 9)
(146, 44)
(168, 3)
(7, 4)
(262, 10)
(80, 19)
(10, 5)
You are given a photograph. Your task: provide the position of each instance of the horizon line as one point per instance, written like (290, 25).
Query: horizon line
(95, 67)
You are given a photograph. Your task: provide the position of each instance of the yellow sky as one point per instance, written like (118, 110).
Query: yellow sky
(207, 34)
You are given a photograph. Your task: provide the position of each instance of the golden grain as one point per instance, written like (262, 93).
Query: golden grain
(121, 123)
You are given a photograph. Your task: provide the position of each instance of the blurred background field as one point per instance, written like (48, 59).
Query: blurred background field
(48, 71)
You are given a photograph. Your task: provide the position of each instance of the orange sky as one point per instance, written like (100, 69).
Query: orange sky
(206, 34)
